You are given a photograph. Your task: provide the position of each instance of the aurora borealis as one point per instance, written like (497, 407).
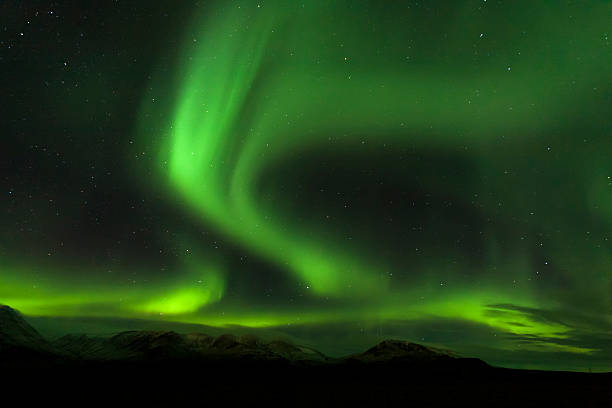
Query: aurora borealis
(333, 171)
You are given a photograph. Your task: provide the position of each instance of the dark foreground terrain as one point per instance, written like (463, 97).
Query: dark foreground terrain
(141, 368)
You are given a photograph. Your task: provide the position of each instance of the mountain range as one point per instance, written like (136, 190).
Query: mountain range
(20, 342)
(165, 368)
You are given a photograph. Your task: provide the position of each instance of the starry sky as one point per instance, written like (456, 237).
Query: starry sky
(333, 172)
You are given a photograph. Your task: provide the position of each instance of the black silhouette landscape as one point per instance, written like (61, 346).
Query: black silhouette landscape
(165, 367)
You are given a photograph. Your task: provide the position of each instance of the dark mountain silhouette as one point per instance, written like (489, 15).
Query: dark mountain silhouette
(163, 368)
(160, 345)
(168, 345)
(20, 342)
(15, 331)
(19, 337)
(398, 350)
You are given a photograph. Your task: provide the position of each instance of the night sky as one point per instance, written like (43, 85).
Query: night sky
(334, 172)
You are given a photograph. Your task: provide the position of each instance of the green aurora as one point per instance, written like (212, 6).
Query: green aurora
(386, 164)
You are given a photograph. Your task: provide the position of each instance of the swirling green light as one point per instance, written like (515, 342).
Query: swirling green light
(255, 84)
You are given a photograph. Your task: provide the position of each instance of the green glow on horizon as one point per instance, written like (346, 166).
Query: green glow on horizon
(32, 294)
(186, 299)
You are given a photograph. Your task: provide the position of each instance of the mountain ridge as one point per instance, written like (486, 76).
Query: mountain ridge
(163, 368)
(151, 345)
